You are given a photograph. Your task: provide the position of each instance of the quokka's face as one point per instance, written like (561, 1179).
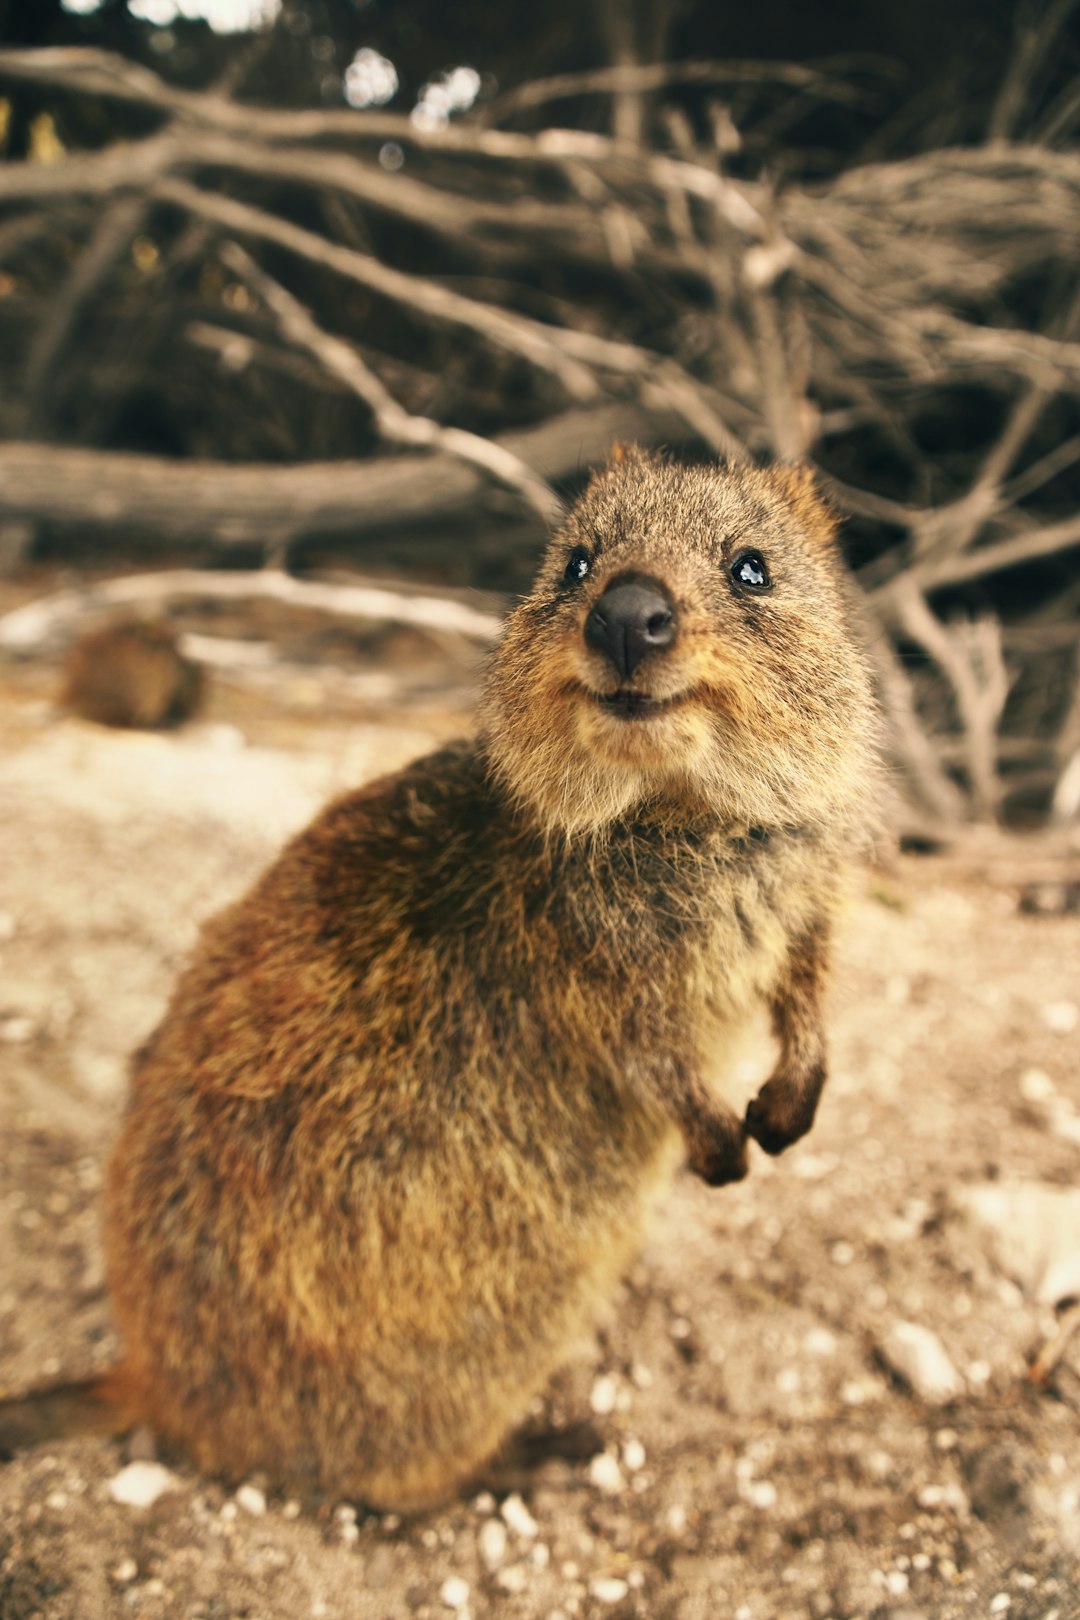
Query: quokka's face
(685, 641)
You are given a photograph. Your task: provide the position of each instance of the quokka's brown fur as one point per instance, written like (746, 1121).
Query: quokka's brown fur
(133, 674)
(402, 1125)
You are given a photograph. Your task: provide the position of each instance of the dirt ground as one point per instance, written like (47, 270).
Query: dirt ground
(771, 1443)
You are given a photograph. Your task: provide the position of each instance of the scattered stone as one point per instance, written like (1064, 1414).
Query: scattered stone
(1036, 1086)
(1034, 1234)
(842, 1253)
(541, 1555)
(820, 1342)
(760, 1493)
(454, 1592)
(605, 1474)
(515, 1578)
(492, 1543)
(141, 1483)
(1062, 1017)
(125, 1571)
(253, 1501)
(603, 1395)
(608, 1589)
(633, 1456)
(16, 1031)
(518, 1517)
(484, 1503)
(290, 1510)
(921, 1360)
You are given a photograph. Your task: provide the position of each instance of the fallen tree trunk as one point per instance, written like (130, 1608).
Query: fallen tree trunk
(229, 504)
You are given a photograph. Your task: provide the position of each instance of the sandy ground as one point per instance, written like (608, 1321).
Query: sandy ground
(771, 1441)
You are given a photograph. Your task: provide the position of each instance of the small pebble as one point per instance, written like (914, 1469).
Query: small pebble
(518, 1517)
(605, 1474)
(125, 1571)
(290, 1510)
(603, 1395)
(921, 1360)
(141, 1483)
(760, 1493)
(229, 1512)
(252, 1500)
(492, 1542)
(1036, 1086)
(454, 1592)
(16, 1030)
(1061, 1017)
(484, 1503)
(541, 1555)
(842, 1253)
(515, 1578)
(676, 1519)
(633, 1456)
(1001, 1603)
(608, 1589)
(57, 1500)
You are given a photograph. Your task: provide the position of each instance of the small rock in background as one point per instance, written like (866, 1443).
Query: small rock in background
(1062, 1017)
(608, 1589)
(519, 1519)
(492, 1543)
(141, 1483)
(1034, 1234)
(252, 1500)
(454, 1592)
(921, 1360)
(605, 1474)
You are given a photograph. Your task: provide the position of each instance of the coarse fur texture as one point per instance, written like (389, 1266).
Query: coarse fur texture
(406, 1116)
(131, 674)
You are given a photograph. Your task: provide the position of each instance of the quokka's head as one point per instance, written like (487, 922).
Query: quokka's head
(685, 647)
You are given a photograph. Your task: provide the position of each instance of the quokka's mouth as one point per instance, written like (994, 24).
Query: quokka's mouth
(629, 704)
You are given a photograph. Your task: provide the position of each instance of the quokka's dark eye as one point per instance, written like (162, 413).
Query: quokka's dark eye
(750, 573)
(577, 566)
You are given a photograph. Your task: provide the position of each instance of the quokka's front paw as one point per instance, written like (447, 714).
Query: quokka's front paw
(719, 1156)
(781, 1112)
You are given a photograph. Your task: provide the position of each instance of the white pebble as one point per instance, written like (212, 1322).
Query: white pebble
(454, 1592)
(125, 1571)
(515, 1578)
(141, 1483)
(518, 1517)
(842, 1253)
(605, 1474)
(57, 1500)
(676, 1519)
(1062, 1017)
(760, 1493)
(541, 1555)
(896, 1583)
(1001, 1603)
(492, 1542)
(391, 1522)
(350, 1533)
(640, 1376)
(17, 1030)
(820, 1342)
(484, 1503)
(290, 1510)
(603, 1395)
(633, 1456)
(921, 1359)
(229, 1512)
(608, 1589)
(253, 1501)
(1036, 1086)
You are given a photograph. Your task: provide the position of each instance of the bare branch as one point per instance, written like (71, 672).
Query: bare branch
(54, 619)
(391, 419)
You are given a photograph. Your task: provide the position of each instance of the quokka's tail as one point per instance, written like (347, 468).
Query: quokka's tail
(61, 1411)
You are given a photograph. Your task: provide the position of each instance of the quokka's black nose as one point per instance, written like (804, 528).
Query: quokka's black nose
(633, 618)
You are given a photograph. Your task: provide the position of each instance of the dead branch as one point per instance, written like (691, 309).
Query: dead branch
(391, 419)
(229, 504)
(53, 620)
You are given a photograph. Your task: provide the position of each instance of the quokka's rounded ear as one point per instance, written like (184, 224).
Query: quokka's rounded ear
(799, 486)
(622, 455)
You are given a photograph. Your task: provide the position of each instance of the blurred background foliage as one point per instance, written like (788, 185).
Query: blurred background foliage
(285, 281)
